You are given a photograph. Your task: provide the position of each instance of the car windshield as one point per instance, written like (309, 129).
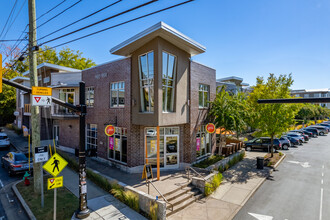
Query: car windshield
(3, 137)
(20, 157)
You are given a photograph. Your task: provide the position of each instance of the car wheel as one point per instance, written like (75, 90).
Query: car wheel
(300, 142)
(322, 133)
(248, 148)
(285, 147)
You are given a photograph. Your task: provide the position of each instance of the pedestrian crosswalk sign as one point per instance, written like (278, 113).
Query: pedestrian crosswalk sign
(55, 164)
(54, 182)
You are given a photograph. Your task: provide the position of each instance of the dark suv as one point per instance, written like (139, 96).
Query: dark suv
(262, 143)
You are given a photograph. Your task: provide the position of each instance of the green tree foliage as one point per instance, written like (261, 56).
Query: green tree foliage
(65, 57)
(229, 111)
(7, 99)
(312, 111)
(272, 119)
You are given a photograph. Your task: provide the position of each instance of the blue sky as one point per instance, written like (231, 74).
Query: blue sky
(244, 38)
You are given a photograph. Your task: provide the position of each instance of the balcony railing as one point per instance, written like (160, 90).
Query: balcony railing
(27, 108)
(60, 110)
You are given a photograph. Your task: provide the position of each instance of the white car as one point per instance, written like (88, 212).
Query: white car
(4, 140)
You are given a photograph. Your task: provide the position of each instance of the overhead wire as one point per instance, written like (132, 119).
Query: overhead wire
(81, 19)
(50, 10)
(101, 21)
(59, 13)
(117, 25)
(10, 14)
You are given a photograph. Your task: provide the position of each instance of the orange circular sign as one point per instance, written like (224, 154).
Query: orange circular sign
(109, 130)
(210, 128)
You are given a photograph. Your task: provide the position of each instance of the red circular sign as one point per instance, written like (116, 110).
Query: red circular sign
(210, 128)
(109, 130)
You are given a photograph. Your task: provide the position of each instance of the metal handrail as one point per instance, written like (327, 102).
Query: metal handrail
(190, 168)
(161, 194)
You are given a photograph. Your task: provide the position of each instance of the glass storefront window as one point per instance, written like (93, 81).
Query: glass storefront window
(203, 142)
(117, 145)
(169, 73)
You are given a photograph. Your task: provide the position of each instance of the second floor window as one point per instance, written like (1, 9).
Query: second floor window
(90, 96)
(146, 69)
(169, 72)
(117, 93)
(204, 95)
(66, 95)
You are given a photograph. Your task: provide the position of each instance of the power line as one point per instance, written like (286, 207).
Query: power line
(11, 40)
(117, 25)
(12, 9)
(80, 19)
(59, 13)
(51, 9)
(103, 20)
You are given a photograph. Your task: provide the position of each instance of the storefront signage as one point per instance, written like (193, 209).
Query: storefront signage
(198, 144)
(152, 147)
(109, 130)
(210, 128)
(111, 143)
(147, 172)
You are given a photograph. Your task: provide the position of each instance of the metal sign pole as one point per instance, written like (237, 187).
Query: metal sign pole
(55, 194)
(42, 187)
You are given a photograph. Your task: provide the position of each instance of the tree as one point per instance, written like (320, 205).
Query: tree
(272, 119)
(65, 57)
(228, 112)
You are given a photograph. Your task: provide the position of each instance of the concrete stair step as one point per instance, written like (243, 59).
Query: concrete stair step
(175, 190)
(179, 193)
(184, 197)
(183, 204)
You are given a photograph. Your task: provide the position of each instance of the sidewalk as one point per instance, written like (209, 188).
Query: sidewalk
(239, 184)
(101, 204)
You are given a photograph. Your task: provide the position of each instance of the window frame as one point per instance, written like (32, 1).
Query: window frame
(88, 93)
(143, 107)
(122, 133)
(164, 102)
(118, 105)
(89, 137)
(204, 105)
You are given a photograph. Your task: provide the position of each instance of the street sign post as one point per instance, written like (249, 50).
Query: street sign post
(40, 154)
(55, 182)
(41, 100)
(55, 164)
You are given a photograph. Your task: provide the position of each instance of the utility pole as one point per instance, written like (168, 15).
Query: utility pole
(35, 117)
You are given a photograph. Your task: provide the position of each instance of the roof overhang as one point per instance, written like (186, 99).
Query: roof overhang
(19, 79)
(164, 31)
(53, 66)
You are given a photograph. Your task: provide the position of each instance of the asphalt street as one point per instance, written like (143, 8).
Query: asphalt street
(10, 207)
(298, 190)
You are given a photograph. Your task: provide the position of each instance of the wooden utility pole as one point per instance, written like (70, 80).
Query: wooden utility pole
(35, 117)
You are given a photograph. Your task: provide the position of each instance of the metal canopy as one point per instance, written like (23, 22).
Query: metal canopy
(295, 100)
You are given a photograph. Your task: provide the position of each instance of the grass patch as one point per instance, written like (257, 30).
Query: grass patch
(209, 161)
(67, 203)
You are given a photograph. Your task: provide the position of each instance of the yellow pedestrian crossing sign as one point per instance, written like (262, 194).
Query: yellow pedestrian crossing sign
(54, 182)
(55, 164)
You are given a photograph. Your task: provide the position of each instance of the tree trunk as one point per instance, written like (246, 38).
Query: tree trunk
(272, 146)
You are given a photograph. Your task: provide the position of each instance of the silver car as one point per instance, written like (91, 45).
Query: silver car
(4, 140)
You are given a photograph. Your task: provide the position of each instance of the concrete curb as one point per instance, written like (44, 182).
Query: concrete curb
(257, 187)
(22, 201)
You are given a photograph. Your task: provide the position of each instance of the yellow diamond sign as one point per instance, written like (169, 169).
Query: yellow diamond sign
(54, 182)
(55, 164)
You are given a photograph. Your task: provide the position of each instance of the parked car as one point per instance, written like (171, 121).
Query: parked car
(285, 143)
(325, 125)
(15, 163)
(306, 137)
(309, 133)
(298, 136)
(4, 140)
(293, 141)
(263, 143)
(322, 130)
(313, 130)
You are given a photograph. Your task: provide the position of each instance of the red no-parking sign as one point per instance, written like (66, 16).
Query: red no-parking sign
(109, 130)
(210, 128)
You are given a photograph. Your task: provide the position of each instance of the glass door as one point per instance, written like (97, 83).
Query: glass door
(172, 151)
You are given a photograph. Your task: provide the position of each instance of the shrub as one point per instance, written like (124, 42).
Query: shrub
(221, 169)
(280, 154)
(132, 200)
(212, 186)
(226, 166)
(209, 161)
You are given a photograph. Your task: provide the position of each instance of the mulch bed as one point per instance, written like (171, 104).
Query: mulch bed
(271, 161)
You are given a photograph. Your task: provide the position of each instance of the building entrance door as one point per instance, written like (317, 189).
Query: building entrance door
(171, 155)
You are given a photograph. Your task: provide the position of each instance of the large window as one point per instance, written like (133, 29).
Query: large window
(91, 136)
(66, 95)
(117, 93)
(146, 69)
(90, 96)
(117, 145)
(169, 73)
(203, 142)
(204, 95)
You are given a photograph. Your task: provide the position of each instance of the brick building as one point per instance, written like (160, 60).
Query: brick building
(155, 84)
